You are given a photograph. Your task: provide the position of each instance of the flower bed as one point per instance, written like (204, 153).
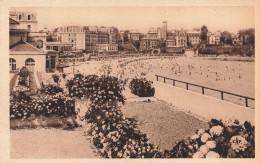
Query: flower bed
(20, 88)
(221, 140)
(97, 89)
(23, 72)
(113, 135)
(116, 136)
(141, 88)
(22, 84)
(24, 81)
(55, 78)
(58, 104)
(51, 89)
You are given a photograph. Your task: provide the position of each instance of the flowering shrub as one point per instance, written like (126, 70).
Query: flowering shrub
(20, 88)
(220, 140)
(51, 89)
(58, 104)
(64, 75)
(141, 88)
(116, 136)
(23, 81)
(23, 72)
(97, 89)
(55, 78)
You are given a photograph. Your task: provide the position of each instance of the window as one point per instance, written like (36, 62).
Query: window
(29, 26)
(30, 64)
(12, 64)
(29, 17)
(20, 17)
(55, 48)
(47, 62)
(53, 61)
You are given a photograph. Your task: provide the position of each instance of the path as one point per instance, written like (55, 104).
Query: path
(50, 143)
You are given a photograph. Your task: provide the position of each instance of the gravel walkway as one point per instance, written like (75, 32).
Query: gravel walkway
(163, 124)
(50, 143)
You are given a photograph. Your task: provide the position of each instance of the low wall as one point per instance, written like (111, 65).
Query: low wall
(43, 122)
(204, 106)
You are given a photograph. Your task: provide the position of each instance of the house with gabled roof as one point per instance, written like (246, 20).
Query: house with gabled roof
(24, 54)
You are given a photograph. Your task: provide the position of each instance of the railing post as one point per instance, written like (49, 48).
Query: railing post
(202, 90)
(173, 82)
(246, 102)
(187, 86)
(222, 96)
(164, 79)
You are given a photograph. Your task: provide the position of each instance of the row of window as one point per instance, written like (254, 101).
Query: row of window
(28, 62)
(51, 60)
(28, 17)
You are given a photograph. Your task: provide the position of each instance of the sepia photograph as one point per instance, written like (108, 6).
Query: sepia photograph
(100, 82)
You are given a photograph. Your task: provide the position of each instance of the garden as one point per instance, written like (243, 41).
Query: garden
(116, 136)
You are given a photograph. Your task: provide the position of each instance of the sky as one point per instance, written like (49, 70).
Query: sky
(141, 18)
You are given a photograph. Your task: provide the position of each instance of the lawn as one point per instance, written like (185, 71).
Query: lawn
(163, 124)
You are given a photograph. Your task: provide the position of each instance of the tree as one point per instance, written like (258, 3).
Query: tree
(250, 36)
(163, 46)
(226, 37)
(49, 38)
(136, 43)
(126, 36)
(204, 34)
(141, 36)
(188, 42)
(117, 34)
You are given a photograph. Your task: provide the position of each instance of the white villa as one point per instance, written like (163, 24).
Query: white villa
(24, 54)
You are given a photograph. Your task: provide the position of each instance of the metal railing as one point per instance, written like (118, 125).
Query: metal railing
(203, 89)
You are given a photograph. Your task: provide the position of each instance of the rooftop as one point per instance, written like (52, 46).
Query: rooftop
(58, 43)
(148, 38)
(12, 21)
(22, 47)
